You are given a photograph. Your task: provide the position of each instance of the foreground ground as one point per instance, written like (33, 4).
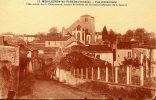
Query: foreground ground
(54, 90)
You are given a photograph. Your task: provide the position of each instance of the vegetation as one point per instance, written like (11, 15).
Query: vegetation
(75, 59)
(116, 91)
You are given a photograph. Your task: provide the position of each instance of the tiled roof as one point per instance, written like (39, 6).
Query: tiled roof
(38, 41)
(92, 48)
(98, 33)
(126, 45)
(30, 35)
(58, 38)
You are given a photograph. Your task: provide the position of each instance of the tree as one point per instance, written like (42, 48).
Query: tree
(139, 33)
(53, 30)
(129, 35)
(104, 34)
(112, 36)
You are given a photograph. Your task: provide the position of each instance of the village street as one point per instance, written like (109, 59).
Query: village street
(55, 90)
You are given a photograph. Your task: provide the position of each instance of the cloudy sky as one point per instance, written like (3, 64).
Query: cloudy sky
(19, 18)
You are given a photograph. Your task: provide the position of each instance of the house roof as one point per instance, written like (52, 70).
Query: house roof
(30, 35)
(58, 38)
(126, 45)
(92, 48)
(38, 41)
(98, 33)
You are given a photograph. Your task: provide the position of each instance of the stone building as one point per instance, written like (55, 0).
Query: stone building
(82, 29)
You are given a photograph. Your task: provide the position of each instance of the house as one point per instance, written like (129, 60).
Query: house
(29, 38)
(59, 41)
(102, 52)
(82, 29)
(123, 50)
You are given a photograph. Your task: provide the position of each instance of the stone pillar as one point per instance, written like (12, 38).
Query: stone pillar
(86, 73)
(116, 74)
(141, 75)
(74, 72)
(106, 73)
(98, 72)
(81, 73)
(92, 73)
(78, 73)
(128, 75)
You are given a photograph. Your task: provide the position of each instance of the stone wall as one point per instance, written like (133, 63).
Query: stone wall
(10, 53)
(8, 78)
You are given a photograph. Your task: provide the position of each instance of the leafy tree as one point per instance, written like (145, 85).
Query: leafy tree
(129, 35)
(112, 36)
(53, 30)
(104, 34)
(75, 59)
(139, 33)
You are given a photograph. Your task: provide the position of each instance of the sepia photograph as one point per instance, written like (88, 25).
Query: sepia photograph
(78, 49)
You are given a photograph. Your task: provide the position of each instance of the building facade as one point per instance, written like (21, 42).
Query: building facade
(83, 29)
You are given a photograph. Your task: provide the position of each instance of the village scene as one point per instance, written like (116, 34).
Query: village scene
(79, 62)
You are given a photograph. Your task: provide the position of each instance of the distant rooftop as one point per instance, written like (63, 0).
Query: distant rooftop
(59, 38)
(126, 45)
(92, 48)
(30, 35)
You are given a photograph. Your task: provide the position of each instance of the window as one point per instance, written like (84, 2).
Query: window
(78, 27)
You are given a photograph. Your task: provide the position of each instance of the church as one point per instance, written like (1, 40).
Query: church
(82, 29)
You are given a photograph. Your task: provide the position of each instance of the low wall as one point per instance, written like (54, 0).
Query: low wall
(68, 78)
(126, 92)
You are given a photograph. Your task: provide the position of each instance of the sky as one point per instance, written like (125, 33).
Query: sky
(19, 18)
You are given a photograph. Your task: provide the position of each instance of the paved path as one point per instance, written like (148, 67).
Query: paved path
(55, 90)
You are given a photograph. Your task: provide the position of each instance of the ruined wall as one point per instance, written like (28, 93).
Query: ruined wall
(9, 70)
(10, 53)
(8, 78)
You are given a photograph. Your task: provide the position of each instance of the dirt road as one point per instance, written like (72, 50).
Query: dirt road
(54, 90)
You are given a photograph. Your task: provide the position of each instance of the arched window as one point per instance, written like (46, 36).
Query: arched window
(78, 27)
